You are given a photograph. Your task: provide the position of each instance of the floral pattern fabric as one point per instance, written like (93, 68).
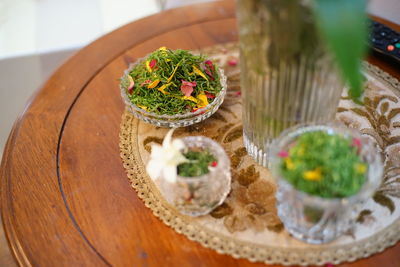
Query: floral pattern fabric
(249, 216)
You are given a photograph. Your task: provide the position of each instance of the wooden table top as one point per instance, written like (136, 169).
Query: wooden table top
(65, 197)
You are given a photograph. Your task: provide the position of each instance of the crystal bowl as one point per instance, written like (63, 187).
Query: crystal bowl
(177, 120)
(195, 196)
(315, 219)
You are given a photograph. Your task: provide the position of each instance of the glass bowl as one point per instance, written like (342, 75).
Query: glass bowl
(195, 196)
(172, 121)
(315, 219)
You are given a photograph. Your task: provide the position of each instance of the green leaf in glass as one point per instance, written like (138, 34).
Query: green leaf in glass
(343, 25)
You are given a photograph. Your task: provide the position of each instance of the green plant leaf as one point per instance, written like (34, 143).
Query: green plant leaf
(343, 25)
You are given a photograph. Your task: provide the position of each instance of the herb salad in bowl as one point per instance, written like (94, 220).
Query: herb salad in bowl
(192, 173)
(325, 174)
(173, 88)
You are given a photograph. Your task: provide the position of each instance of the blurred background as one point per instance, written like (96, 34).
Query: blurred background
(37, 36)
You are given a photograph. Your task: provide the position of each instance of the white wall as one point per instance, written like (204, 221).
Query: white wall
(389, 9)
(36, 36)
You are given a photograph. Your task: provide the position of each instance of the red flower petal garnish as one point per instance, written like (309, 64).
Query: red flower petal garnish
(283, 154)
(209, 64)
(210, 95)
(145, 82)
(189, 83)
(153, 63)
(232, 62)
(131, 85)
(195, 109)
(214, 164)
(186, 90)
(356, 142)
(238, 93)
(187, 87)
(209, 74)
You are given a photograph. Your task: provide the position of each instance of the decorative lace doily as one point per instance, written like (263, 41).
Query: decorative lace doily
(246, 224)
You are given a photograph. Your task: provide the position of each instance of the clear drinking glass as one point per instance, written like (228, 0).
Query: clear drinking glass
(199, 195)
(314, 219)
(287, 77)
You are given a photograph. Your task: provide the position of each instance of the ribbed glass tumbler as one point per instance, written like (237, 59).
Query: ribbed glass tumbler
(287, 77)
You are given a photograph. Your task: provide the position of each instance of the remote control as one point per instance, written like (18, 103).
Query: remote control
(385, 40)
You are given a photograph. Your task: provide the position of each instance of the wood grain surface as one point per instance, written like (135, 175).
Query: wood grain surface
(66, 200)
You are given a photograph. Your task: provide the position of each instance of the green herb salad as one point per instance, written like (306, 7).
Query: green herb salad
(324, 165)
(170, 82)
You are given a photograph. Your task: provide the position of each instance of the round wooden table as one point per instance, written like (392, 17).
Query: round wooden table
(65, 197)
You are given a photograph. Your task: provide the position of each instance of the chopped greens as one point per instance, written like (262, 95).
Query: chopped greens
(173, 82)
(324, 165)
(199, 163)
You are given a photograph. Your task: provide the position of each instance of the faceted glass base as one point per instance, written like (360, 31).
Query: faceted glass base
(258, 154)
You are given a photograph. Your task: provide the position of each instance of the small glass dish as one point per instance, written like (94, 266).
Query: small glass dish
(195, 196)
(172, 121)
(314, 219)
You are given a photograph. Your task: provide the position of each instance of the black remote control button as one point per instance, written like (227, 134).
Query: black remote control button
(385, 40)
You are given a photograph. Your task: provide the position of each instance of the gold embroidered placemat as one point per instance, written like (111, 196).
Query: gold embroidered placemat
(246, 225)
